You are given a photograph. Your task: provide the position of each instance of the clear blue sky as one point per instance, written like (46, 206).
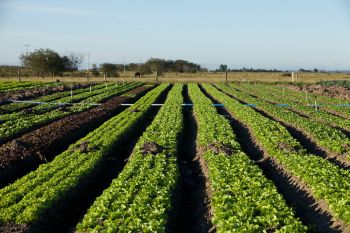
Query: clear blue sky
(286, 34)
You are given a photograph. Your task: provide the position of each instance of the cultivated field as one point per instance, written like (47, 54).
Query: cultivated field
(180, 157)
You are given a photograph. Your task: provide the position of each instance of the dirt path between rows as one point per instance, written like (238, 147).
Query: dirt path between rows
(192, 204)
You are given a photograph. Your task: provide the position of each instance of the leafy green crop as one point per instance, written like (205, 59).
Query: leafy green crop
(243, 200)
(328, 103)
(277, 96)
(27, 199)
(16, 123)
(324, 135)
(339, 83)
(327, 181)
(24, 85)
(139, 199)
(15, 107)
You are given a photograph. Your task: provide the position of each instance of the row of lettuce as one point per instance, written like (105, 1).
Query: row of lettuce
(139, 198)
(278, 97)
(18, 106)
(243, 199)
(325, 180)
(317, 125)
(333, 105)
(14, 86)
(13, 110)
(29, 199)
(14, 124)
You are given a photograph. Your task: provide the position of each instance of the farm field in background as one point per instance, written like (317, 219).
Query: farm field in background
(201, 155)
(198, 77)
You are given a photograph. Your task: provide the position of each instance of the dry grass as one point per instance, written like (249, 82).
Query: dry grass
(201, 77)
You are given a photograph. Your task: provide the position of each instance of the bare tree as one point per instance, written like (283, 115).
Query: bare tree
(75, 59)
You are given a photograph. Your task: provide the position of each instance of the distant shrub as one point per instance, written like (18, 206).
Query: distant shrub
(286, 74)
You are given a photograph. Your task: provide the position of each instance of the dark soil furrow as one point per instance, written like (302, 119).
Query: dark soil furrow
(297, 194)
(24, 154)
(192, 213)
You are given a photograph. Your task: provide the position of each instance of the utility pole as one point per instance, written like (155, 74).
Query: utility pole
(19, 74)
(88, 67)
(157, 75)
(124, 64)
(27, 47)
(124, 67)
(26, 69)
(226, 74)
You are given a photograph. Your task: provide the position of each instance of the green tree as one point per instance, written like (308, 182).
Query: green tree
(110, 70)
(94, 70)
(156, 65)
(44, 62)
(222, 68)
(179, 65)
(132, 67)
(144, 69)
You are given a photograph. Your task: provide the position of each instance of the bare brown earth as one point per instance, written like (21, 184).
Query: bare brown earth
(331, 91)
(151, 148)
(19, 228)
(25, 153)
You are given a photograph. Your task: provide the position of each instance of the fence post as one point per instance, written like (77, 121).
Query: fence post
(306, 99)
(315, 105)
(19, 74)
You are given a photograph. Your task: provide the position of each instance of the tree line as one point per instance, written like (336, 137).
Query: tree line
(223, 68)
(46, 62)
